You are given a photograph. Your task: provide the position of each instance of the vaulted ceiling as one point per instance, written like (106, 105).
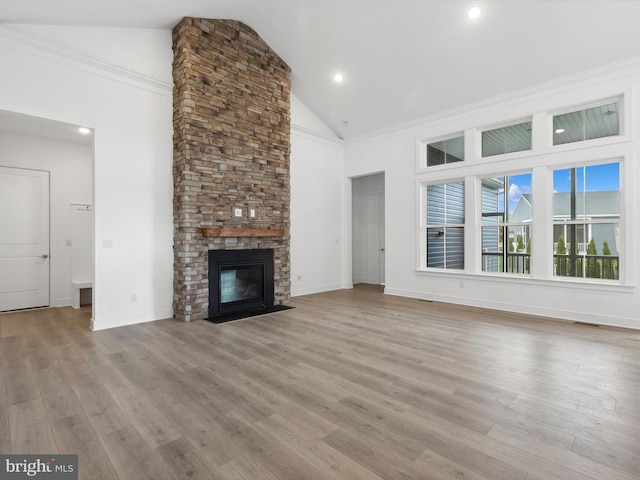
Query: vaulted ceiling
(402, 60)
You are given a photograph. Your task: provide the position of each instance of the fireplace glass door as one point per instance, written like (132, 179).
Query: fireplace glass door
(240, 280)
(241, 284)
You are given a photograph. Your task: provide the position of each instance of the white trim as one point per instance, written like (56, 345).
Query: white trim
(592, 220)
(627, 206)
(61, 302)
(532, 310)
(586, 152)
(597, 153)
(566, 282)
(38, 47)
(424, 225)
(575, 108)
(505, 124)
(570, 83)
(114, 322)
(423, 143)
(420, 224)
(313, 135)
(325, 288)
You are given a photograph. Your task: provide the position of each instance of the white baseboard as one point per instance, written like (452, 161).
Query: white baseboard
(62, 302)
(370, 281)
(114, 322)
(298, 292)
(549, 313)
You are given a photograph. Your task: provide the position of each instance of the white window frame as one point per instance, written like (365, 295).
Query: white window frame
(422, 152)
(586, 106)
(540, 161)
(622, 255)
(444, 226)
(497, 126)
(507, 225)
(422, 237)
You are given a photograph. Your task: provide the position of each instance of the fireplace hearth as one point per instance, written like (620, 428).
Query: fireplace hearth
(240, 281)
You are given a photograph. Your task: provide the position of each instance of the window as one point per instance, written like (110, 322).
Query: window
(587, 124)
(580, 232)
(586, 221)
(506, 224)
(514, 138)
(445, 151)
(445, 225)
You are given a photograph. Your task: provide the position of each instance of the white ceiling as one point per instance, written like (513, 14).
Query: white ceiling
(402, 59)
(27, 125)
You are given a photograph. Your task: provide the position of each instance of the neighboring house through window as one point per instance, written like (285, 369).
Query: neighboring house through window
(586, 221)
(579, 226)
(445, 225)
(506, 238)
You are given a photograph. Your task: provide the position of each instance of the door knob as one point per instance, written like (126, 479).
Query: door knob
(45, 256)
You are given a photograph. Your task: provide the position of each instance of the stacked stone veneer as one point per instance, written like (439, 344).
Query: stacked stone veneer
(231, 150)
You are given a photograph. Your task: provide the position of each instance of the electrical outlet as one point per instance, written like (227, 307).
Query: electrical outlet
(299, 278)
(134, 297)
(107, 243)
(237, 212)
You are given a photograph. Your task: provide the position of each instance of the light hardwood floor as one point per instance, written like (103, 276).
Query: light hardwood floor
(350, 385)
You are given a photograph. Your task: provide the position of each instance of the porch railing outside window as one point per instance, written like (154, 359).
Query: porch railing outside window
(515, 262)
(506, 224)
(588, 266)
(586, 227)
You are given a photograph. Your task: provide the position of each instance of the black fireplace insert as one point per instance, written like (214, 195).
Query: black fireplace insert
(240, 280)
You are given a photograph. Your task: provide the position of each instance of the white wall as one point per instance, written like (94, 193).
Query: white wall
(70, 166)
(317, 205)
(131, 113)
(366, 245)
(119, 82)
(117, 49)
(395, 152)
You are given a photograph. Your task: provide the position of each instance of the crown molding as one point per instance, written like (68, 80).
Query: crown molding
(629, 66)
(317, 136)
(38, 47)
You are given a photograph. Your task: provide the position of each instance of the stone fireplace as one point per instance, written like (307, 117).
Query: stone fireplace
(231, 155)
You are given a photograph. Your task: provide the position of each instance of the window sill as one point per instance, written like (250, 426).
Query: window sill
(528, 280)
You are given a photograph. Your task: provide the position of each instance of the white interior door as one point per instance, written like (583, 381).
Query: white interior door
(24, 238)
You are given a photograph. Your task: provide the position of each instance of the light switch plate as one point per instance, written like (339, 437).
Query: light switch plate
(252, 213)
(237, 212)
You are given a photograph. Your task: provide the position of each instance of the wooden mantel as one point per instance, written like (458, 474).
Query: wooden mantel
(242, 232)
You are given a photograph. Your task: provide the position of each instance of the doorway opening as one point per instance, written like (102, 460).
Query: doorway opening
(55, 161)
(368, 229)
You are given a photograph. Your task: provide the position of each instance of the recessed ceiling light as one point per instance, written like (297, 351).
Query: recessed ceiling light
(559, 130)
(474, 13)
(338, 77)
(84, 130)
